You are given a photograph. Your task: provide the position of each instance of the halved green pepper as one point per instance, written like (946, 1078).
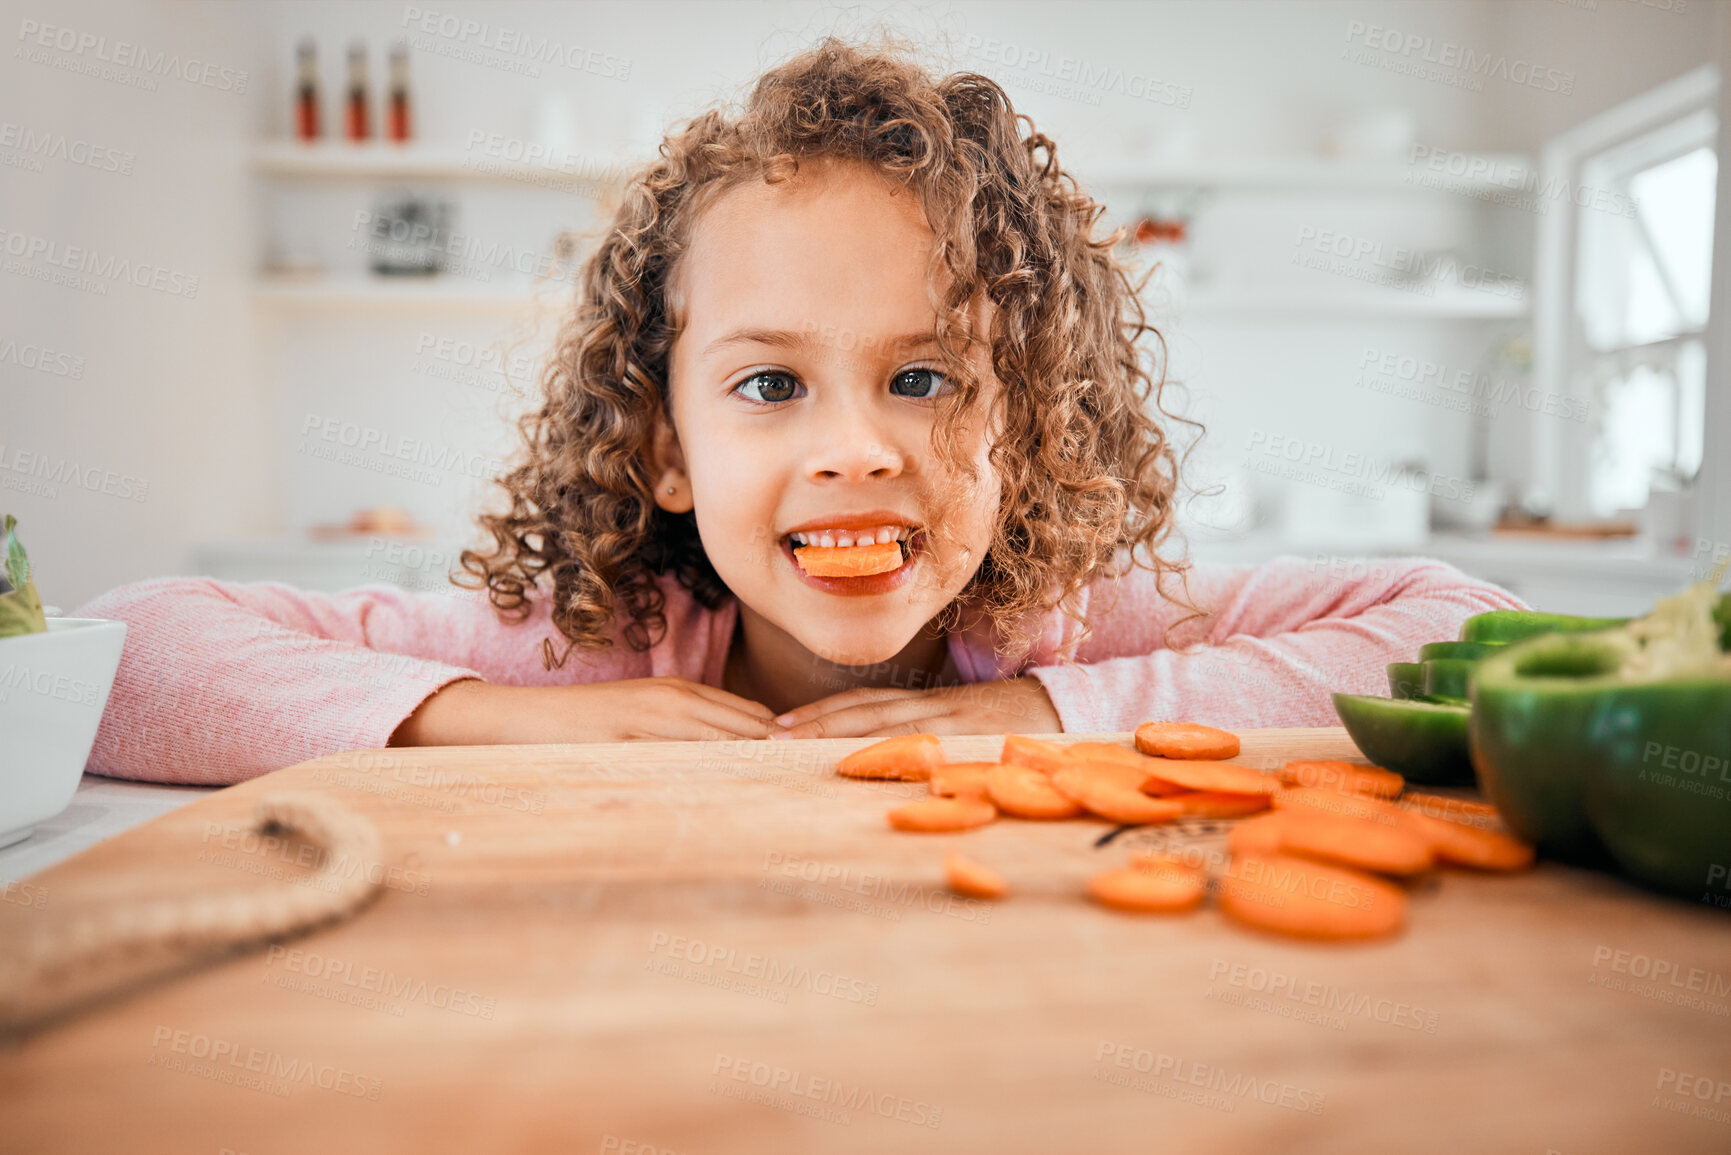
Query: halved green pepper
(1405, 679)
(1446, 679)
(1469, 650)
(1615, 745)
(1421, 740)
(1517, 625)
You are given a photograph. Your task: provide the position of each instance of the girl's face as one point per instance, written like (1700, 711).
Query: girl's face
(804, 381)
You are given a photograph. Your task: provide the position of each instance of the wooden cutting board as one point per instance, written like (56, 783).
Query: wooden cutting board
(720, 947)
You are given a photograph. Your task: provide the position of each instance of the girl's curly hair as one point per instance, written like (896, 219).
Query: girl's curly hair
(1086, 471)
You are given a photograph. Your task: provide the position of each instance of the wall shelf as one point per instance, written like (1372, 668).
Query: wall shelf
(335, 159)
(1491, 173)
(333, 293)
(1349, 303)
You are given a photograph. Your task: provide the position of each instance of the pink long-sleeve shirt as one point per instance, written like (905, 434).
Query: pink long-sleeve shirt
(220, 682)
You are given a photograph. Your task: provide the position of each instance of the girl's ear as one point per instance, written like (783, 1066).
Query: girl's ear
(673, 487)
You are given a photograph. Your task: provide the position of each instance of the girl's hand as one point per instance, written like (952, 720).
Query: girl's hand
(474, 713)
(1018, 705)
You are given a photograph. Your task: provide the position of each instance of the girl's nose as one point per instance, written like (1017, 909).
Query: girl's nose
(853, 437)
(846, 458)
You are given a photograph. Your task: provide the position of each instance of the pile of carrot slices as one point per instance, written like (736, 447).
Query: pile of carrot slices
(1322, 852)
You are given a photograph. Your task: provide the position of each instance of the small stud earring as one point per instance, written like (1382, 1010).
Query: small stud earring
(670, 489)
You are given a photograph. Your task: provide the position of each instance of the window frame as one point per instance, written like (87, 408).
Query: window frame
(1560, 452)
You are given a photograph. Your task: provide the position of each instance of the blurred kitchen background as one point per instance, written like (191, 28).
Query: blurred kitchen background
(1435, 276)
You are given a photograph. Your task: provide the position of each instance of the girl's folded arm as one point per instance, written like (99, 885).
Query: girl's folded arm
(1280, 638)
(220, 682)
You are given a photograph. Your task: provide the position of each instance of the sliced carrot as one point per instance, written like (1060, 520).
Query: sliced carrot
(906, 758)
(1309, 899)
(1074, 781)
(1343, 805)
(1259, 835)
(1353, 842)
(1213, 776)
(1027, 793)
(1159, 788)
(1108, 753)
(1150, 885)
(1337, 774)
(1462, 810)
(1123, 763)
(1118, 803)
(961, 779)
(1071, 782)
(850, 560)
(973, 879)
(1211, 804)
(1046, 757)
(942, 815)
(1185, 740)
(1105, 752)
(1464, 845)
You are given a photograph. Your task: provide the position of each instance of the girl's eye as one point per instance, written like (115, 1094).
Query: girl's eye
(773, 387)
(922, 384)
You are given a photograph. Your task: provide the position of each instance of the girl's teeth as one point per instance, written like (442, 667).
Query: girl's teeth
(879, 536)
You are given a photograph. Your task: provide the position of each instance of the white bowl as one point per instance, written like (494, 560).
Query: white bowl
(53, 689)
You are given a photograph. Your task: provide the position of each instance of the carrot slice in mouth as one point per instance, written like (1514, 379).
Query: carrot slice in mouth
(942, 815)
(904, 758)
(1027, 793)
(1150, 885)
(1185, 740)
(1213, 776)
(1297, 896)
(849, 560)
(973, 879)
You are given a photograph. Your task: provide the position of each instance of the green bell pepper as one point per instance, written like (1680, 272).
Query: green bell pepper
(1405, 679)
(1614, 746)
(1446, 679)
(1421, 740)
(1516, 625)
(1471, 651)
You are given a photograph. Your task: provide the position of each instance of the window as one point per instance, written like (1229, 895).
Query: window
(1641, 304)
(1626, 263)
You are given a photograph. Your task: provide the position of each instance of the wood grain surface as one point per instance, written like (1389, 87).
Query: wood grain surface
(720, 947)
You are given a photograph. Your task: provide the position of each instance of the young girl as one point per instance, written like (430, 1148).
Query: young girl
(870, 308)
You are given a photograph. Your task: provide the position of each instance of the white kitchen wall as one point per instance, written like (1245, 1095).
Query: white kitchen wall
(207, 397)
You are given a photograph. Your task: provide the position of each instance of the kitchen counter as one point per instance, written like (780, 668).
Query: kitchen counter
(1612, 578)
(718, 947)
(102, 808)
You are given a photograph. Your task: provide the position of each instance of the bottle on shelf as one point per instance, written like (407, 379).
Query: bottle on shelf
(397, 127)
(307, 90)
(359, 128)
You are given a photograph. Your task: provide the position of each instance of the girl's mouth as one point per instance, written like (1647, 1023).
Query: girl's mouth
(911, 548)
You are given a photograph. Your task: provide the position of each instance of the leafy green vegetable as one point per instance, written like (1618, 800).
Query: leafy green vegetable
(20, 607)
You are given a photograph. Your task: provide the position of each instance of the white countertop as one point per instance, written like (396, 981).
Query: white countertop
(102, 808)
